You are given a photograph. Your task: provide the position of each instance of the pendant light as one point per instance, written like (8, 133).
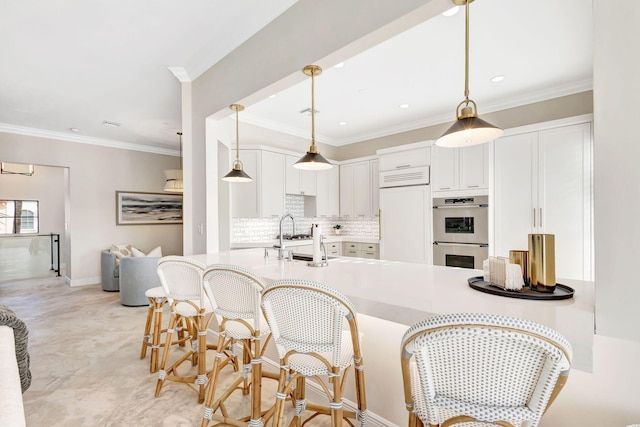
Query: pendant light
(468, 129)
(237, 174)
(173, 183)
(312, 160)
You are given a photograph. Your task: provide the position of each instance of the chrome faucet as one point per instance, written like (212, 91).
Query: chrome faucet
(280, 247)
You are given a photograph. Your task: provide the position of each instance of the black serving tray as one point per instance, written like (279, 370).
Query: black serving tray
(560, 292)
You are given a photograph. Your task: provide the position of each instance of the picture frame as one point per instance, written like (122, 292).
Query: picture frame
(138, 208)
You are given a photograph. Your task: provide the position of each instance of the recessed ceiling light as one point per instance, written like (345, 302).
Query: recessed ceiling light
(339, 65)
(403, 106)
(272, 96)
(112, 124)
(451, 11)
(497, 79)
(342, 123)
(74, 129)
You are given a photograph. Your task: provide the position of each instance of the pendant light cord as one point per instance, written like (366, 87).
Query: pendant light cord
(313, 108)
(237, 139)
(466, 53)
(180, 134)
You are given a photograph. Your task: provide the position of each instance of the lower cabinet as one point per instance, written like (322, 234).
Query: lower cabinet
(334, 248)
(361, 250)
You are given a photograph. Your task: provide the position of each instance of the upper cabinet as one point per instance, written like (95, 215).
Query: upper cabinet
(357, 182)
(456, 169)
(328, 192)
(543, 185)
(264, 196)
(299, 181)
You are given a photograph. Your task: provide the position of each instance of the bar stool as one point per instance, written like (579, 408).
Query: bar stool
(234, 294)
(306, 320)
(157, 300)
(482, 369)
(181, 280)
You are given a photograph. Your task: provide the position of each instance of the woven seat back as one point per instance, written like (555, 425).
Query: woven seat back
(306, 316)
(181, 278)
(486, 361)
(234, 292)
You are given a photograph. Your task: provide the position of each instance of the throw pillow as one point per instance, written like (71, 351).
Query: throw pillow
(155, 252)
(137, 253)
(121, 250)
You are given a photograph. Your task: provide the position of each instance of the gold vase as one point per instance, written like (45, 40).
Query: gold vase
(522, 259)
(542, 262)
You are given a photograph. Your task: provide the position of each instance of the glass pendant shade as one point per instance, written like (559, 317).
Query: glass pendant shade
(312, 160)
(237, 174)
(468, 129)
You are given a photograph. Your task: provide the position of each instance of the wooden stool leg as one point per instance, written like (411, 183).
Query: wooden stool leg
(147, 330)
(281, 396)
(201, 381)
(165, 354)
(336, 404)
(211, 389)
(158, 307)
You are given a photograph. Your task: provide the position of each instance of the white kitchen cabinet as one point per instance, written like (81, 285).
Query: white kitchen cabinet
(375, 187)
(404, 159)
(543, 185)
(264, 196)
(299, 181)
(361, 250)
(356, 189)
(328, 192)
(456, 169)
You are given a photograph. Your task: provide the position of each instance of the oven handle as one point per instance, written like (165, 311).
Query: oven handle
(477, 245)
(482, 205)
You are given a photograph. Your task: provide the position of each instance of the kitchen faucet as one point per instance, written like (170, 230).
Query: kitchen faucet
(280, 247)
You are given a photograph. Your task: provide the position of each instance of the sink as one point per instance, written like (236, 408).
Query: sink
(306, 257)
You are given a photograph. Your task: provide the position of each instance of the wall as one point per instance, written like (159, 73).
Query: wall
(616, 172)
(95, 174)
(47, 186)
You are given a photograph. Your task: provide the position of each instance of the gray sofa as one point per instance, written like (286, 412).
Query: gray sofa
(132, 278)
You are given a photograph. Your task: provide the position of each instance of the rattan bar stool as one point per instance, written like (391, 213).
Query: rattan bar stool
(181, 279)
(482, 369)
(153, 330)
(306, 320)
(234, 294)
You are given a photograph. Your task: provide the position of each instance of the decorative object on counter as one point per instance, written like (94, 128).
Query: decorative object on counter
(338, 229)
(503, 274)
(542, 262)
(468, 128)
(174, 183)
(561, 291)
(522, 259)
(313, 160)
(319, 260)
(237, 174)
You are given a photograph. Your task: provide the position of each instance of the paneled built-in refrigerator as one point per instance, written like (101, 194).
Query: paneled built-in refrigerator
(405, 224)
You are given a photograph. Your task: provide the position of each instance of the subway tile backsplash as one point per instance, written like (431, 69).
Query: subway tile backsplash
(245, 230)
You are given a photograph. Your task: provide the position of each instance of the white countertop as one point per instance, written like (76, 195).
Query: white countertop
(406, 293)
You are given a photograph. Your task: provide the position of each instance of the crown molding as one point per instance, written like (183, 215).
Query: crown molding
(512, 102)
(181, 74)
(62, 136)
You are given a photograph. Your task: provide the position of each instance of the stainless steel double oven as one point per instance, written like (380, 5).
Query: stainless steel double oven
(461, 231)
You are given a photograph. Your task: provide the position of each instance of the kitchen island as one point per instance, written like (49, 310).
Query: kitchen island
(391, 296)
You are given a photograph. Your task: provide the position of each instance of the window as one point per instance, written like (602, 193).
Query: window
(18, 216)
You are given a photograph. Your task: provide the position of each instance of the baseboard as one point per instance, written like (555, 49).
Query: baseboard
(83, 282)
(314, 390)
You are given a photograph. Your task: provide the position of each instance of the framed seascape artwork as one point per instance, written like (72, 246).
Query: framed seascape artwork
(133, 208)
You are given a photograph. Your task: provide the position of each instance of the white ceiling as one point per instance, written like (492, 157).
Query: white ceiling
(74, 64)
